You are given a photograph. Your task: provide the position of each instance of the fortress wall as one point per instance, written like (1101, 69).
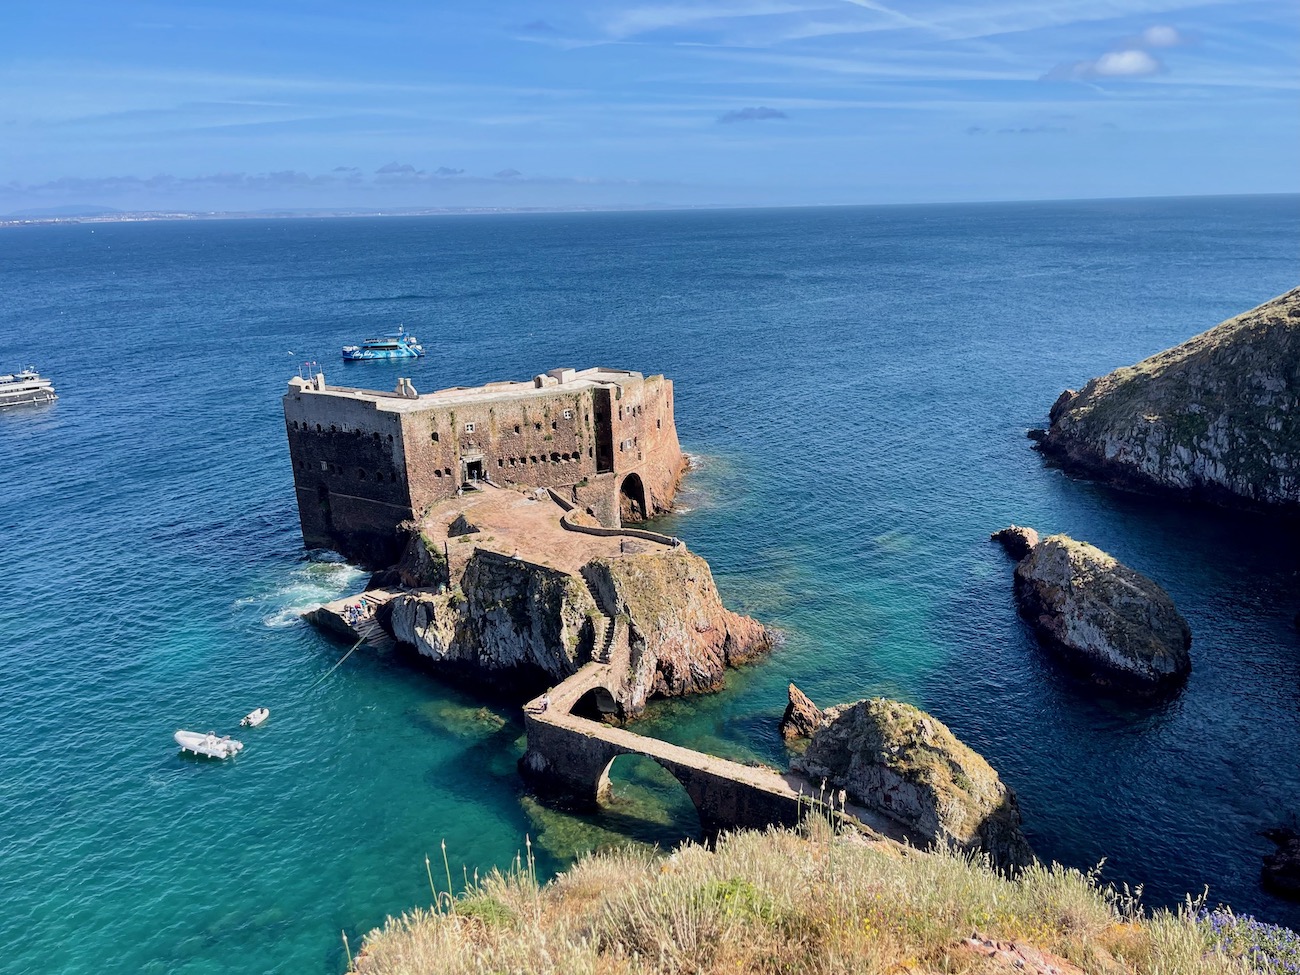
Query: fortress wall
(364, 463)
(645, 441)
(525, 440)
(349, 474)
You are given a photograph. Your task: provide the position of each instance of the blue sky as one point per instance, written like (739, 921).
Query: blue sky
(249, 105)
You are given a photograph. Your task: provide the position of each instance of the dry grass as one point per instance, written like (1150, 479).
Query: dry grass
(783, 902)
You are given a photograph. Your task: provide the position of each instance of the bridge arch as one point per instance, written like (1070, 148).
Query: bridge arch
(631, 500)
(648, 802)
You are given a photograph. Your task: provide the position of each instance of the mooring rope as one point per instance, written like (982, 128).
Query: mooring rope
(339, 664)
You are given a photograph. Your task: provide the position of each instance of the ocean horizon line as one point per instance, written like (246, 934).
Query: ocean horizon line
(94, 213)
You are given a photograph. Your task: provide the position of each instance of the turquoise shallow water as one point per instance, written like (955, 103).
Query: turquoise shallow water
(856, 383)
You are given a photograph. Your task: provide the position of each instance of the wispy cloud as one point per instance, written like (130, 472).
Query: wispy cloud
(756, 114)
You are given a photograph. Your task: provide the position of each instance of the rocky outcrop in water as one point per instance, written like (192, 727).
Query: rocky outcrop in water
(1282, 867)
(514, 623)
(681, 638)
(900, 761)
(524, 627)
(1108, 622)
(1016, 540)
(802, 718)
(1215, 419)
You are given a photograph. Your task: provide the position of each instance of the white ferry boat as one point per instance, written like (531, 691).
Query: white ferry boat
(25, 388)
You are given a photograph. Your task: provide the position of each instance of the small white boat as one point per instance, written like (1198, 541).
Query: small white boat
(210, 744)
(255, 717)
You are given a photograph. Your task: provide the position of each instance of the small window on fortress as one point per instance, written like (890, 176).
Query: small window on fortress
(513, 462)
(318, 430)
(390, 438)
(434, 435)
(537, 426)
(333, 428)
(567, 414)
(555, 457)
(324, 466)
(516, 428)
(361, 474)
(375, 434)
(659, 424)
(555, 425)
(590, 452)
(437, 473)
(501, 462)
(447, 471)
(469, 428)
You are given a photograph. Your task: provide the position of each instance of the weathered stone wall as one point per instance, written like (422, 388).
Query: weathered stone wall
(349, 475)
(364, 462)
(542, 440)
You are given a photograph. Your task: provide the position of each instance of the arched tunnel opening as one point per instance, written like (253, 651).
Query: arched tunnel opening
(631, 500)
(598, 704)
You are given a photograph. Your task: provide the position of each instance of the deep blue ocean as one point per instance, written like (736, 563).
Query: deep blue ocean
(855, 384)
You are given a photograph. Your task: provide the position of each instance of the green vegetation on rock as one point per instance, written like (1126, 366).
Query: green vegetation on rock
(1216, 418)
(812, 902)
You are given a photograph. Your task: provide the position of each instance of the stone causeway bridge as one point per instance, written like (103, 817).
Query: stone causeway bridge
(569, 757)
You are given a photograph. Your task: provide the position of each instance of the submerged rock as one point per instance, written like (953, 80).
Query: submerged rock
(1216, 418)
(898, 760)
(802, 718)
(1282, 867)
(1107, 621)
(1017, 541)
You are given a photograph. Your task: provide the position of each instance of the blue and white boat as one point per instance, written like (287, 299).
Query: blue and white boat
(399, 345)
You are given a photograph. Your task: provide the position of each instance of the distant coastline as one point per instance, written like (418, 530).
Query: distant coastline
(101, 215)
(97, 214)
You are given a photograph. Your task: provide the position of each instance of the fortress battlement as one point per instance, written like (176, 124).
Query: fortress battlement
(365, 461)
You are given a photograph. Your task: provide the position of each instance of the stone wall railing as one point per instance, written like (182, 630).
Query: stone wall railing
(568, 524)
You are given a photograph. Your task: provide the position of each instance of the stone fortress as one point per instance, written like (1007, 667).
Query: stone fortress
(365, 461)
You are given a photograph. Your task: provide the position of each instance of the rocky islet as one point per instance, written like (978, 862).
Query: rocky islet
(1215, 419)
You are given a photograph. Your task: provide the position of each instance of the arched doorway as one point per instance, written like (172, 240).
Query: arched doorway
(598, 704)
(631, 500)
(646, 803)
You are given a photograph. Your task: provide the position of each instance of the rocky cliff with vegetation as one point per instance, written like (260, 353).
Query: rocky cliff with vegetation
(811, 902)
(898, 760)
(1214, 419)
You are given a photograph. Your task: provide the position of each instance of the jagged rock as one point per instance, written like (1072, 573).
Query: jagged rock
(521, 626)
(1282, 867)
(801, 717)
(1107, 621)
(1017, 541)
(898, 760)
(461, 526)
(681, 637)
(423, 565)
(524, 627)
(1062, 403)
(1216, 418)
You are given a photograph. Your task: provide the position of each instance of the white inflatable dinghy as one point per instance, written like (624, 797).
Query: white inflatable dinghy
(210, 744)
(255, 717)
